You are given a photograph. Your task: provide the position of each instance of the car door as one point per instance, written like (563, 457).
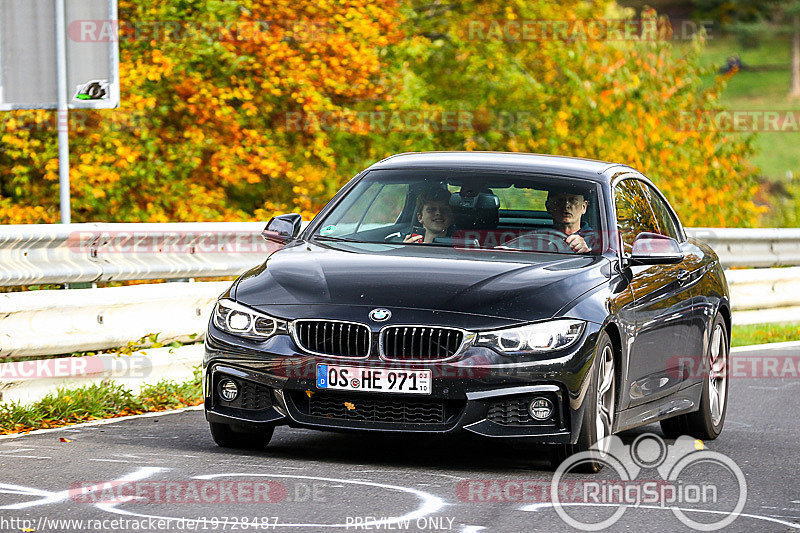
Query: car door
(661, 302)
(689, 273)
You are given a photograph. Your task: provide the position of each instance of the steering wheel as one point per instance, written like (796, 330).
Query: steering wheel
(396, 236)
(553, 239)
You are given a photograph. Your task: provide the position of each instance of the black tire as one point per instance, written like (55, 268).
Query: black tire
(589, 427)
(706, 423)
(227, 437)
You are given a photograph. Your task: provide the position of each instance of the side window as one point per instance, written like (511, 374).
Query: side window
(666, 222)
(634, 213)
(364, 195)
(386, 207)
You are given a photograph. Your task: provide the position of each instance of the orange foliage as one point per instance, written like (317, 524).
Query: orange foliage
(201, 132)
(221, 119)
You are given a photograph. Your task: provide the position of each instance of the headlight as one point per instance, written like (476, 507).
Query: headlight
(533, 338)
(237, 319)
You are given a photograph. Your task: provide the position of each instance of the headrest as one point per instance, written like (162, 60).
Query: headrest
(475, 211)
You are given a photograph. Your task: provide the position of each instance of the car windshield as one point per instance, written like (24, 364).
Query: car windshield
(469, 210)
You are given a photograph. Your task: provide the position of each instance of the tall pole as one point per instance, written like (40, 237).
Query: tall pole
(795, 91)
(63, 112)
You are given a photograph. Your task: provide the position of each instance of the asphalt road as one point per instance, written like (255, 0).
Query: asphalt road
(156, 470)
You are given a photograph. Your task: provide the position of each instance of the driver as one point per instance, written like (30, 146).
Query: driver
(567, 207)
(434, 213)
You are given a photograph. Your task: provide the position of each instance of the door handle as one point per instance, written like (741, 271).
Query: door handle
(683, 276)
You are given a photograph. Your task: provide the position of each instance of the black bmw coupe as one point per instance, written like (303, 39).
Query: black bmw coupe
(552, 299)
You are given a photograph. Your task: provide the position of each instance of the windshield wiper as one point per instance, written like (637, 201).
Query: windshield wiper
(334, 239)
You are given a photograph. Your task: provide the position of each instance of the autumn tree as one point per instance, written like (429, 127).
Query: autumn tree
(241, 110)
(577, 93)
(205, 131)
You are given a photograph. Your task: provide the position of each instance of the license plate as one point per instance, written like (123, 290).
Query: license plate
(353, 378)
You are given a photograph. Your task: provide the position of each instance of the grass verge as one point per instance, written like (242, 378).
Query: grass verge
(762, 86)
(745, 335)
(92, 402)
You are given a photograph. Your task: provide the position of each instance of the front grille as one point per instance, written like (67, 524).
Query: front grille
(327, 337)
(419, 343)
(372, 409)
(514, 412)
(252, 396)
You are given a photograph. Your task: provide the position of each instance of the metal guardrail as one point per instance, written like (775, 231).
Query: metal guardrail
(61, 322)
(71, 253)
(756, 247)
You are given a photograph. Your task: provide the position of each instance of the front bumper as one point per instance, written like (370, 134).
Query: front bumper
(482, 392)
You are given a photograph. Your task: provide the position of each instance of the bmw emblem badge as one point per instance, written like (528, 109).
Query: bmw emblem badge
(380, 315)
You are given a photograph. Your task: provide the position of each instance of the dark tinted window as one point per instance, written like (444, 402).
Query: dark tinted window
(634, 213)
(663, 215)
(500, 211)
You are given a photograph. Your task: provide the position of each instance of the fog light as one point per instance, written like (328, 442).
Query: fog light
(228, 390)
(540, 408)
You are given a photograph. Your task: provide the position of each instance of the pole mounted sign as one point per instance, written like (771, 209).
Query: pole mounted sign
(52, 56)
(29, 54)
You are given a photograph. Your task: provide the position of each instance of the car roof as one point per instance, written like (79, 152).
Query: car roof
(550, 164)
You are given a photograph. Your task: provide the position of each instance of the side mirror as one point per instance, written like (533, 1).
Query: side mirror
(655, 249)
(282, 228)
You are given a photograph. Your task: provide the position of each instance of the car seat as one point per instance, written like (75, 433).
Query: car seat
(477, 211)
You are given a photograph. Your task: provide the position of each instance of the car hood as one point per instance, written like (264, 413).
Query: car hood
(312, 277)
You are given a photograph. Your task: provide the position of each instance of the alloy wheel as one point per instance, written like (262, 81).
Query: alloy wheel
(717, 375)
(605, 397)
